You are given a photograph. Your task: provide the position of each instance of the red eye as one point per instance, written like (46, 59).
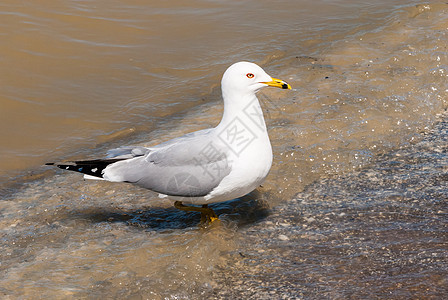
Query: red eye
(250, 75)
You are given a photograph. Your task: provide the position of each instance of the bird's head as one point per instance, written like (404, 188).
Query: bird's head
(245, 77)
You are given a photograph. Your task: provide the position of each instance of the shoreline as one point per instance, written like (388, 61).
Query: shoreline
(382, 227)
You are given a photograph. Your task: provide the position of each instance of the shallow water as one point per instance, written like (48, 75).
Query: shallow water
(376, 233)
(368, 79)
(81, 73)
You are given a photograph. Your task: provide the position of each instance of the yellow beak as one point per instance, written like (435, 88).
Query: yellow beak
(278, 83)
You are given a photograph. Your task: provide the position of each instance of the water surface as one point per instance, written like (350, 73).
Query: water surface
(81, 77)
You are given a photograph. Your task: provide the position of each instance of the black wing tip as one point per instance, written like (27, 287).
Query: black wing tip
(90, 167)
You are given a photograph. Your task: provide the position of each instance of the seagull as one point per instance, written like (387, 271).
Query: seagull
(203, 167)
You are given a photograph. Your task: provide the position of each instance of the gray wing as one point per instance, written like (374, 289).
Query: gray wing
(189, 166)
(127, 152)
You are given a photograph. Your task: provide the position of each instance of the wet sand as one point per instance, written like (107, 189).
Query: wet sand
(377, 233)
(354, 205)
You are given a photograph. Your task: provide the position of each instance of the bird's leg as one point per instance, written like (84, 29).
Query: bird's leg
(207, 214)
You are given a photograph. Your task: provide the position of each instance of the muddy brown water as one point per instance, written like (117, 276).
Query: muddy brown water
(354, 206)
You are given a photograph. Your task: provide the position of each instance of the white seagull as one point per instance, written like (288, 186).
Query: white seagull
(207, 166)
